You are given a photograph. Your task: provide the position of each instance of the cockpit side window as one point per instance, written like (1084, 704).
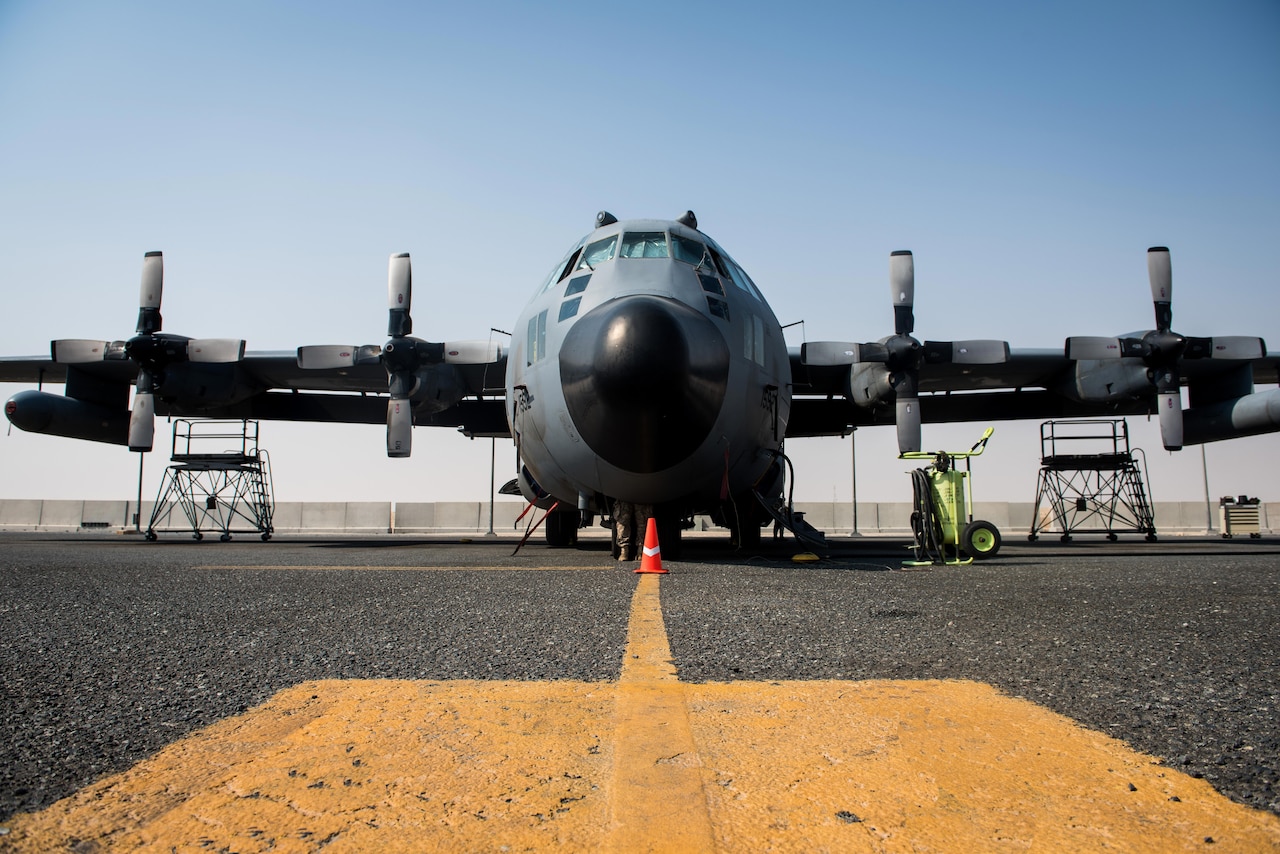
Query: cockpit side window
(570, 266)
(644, 244)
(597, 253)
(689, 251)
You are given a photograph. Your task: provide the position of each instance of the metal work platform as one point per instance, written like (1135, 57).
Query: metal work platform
(220, 480)
(1091, 482)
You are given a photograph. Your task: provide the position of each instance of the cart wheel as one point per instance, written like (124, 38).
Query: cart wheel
(1066, 538)
(981, 540)
(151, 536)
(226, 538)
(1151, 538)
(197, 536)
(1031, 538)
(1112, 537)
(1226, 536)
(266, 536)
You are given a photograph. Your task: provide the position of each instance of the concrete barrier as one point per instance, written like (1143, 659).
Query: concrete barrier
(472, 517)
(20, 514)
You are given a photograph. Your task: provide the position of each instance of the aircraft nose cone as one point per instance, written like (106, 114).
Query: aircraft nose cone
(644, 378)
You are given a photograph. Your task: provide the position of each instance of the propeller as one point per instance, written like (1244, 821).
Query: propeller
(1161, 349)
(150, 349)
(402, 356)
(902, 355)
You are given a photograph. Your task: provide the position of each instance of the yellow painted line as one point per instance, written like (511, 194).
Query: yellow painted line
(646, 764)
(658, 798)
(318, 566)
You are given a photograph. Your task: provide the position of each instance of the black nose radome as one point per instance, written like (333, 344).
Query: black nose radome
(644, 378)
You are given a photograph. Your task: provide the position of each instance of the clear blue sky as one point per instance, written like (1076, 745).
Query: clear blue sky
(1028, 153)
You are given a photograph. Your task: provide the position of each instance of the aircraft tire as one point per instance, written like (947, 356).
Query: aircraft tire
(981, 540)
(669, 530)
(562, 529)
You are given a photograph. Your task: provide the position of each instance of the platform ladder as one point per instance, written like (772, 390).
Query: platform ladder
(1091, 482)
(219, 480)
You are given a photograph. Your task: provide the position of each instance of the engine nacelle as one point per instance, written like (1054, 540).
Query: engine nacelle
(869, 385)
(55, 415)
(1107, 381)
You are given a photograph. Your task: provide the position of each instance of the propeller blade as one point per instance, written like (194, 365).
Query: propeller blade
(215, 350)
(980, 352)
(399, 296)
(1083, 347)
(1160, 272)
(1170, 405)
(908, 422)
(829, 353)
(142, 422)
(1226, 347)
(78, 351)
(325, 356)
(399, 427)
(149, 321)
(907, 410)
(976, 352)
(472, 352)
(902, 289)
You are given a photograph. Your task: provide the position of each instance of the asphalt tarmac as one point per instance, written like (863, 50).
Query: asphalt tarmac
(114, 648)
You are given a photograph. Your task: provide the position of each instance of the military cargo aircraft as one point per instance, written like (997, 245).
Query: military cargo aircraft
(649, 368)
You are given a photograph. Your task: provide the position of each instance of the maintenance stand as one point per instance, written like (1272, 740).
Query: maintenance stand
(1091, 481)
(219, 478)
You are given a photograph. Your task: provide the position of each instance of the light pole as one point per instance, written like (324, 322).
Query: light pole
(853, 455)
(492, 473)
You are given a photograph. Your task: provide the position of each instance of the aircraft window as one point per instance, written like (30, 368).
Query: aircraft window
(577, 285)
(721, 267)
(719, 307)
(743, 282)
(597, 253)
(644, 244)
(750, 284)
(711, 284)
(569, 266)
(569, 308)
(688, 251)
(537, 347)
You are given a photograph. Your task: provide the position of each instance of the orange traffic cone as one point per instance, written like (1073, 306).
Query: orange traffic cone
(652, 560)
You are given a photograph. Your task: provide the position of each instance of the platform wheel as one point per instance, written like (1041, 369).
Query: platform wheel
(266, 536)
(225, 538)
(1066, 538)
(1151, 538)
(151, 536)
(980, 540)
(1226, 536)
(1112, 537)
(1031, 538)
(197, 536)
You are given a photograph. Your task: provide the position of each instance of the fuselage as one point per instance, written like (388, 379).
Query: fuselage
(647, 368)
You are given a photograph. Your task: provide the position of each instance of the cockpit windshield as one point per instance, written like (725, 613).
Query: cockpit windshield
(597, 253)
(644, 244)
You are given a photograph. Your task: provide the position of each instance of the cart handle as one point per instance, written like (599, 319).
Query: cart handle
(976, 451)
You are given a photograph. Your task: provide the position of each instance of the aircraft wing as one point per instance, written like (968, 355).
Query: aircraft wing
(828, 399)
(260, 385)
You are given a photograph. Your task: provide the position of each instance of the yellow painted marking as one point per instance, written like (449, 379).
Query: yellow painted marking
(646, 764)
(320, 566)
(658, 798)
